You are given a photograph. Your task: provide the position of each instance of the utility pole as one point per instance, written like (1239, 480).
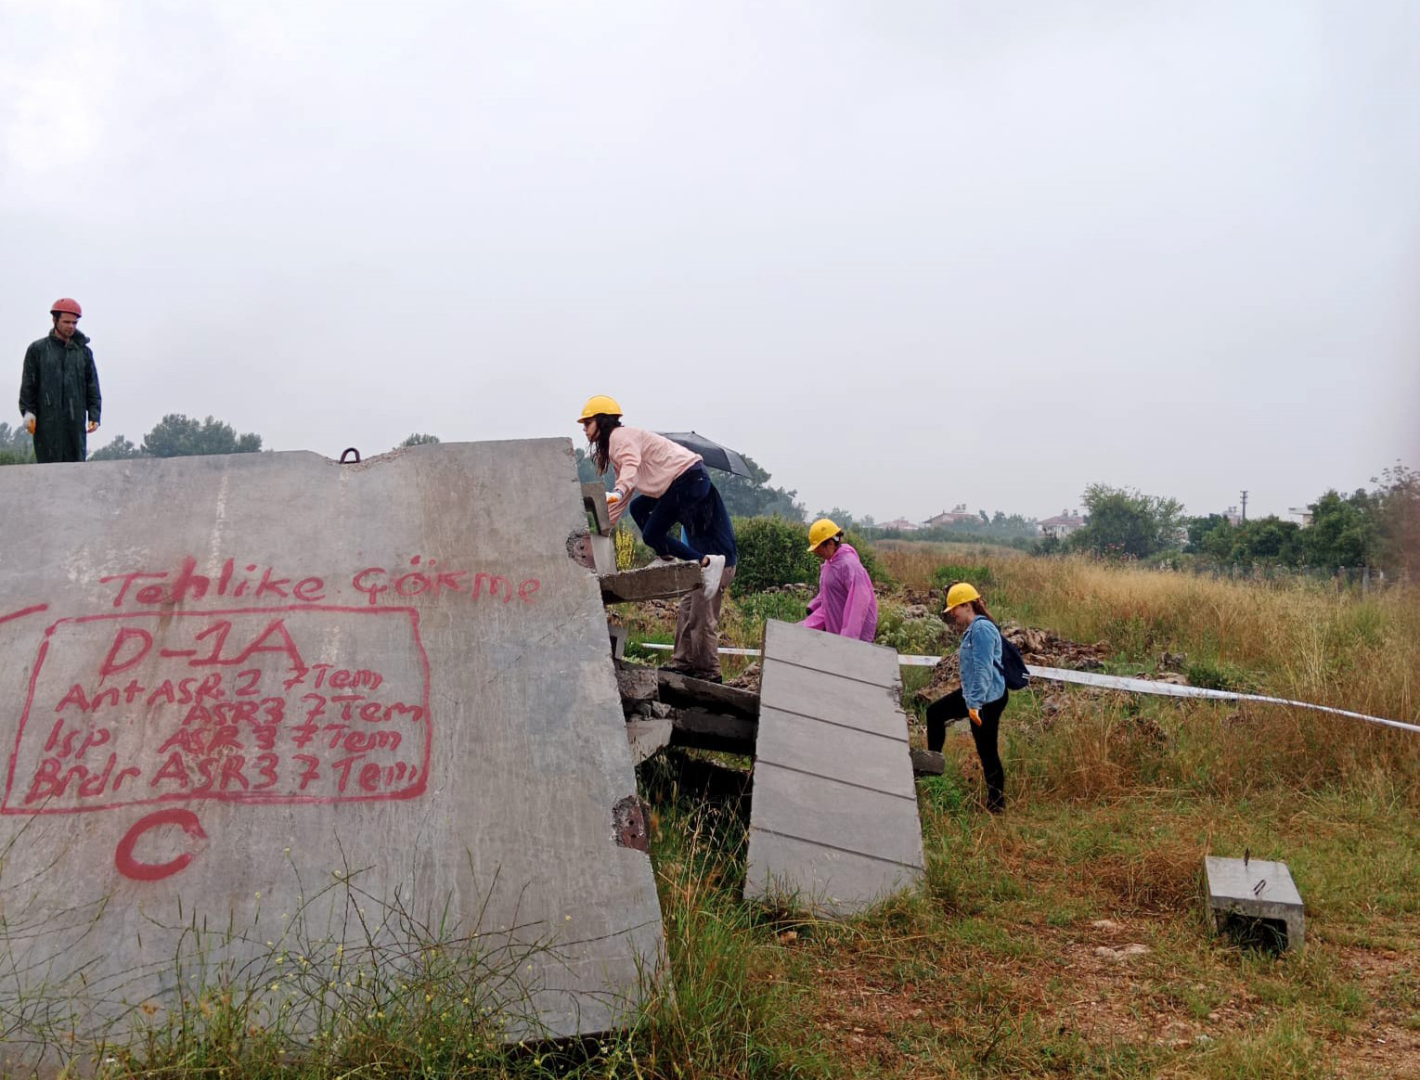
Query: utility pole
(1244, 505)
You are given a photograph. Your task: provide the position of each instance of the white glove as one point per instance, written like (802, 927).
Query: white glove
(613, 497)
(93, 426)
(29, 422)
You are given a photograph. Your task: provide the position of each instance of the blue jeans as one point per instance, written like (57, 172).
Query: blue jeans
(655, 516)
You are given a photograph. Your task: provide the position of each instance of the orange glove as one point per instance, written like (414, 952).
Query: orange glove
(975, 716)
(30, 422)
(93, 426)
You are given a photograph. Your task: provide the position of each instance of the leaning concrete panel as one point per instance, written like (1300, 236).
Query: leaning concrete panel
(834, 818)
(267, 704)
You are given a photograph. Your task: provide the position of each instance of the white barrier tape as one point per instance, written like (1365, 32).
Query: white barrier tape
(1133, 686)
(1149, 686)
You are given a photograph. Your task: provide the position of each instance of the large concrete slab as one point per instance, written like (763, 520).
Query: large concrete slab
(833, 823)
(251, 696)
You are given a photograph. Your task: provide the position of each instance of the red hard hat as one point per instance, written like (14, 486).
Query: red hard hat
(66, 305)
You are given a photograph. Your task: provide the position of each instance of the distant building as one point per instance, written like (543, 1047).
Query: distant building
(901, 525)
(955, 516)
(1063, 524)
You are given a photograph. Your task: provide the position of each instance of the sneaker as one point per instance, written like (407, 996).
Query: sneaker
(711, 571)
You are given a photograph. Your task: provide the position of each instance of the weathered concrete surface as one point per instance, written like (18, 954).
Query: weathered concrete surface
(833, 823)
(255, 693)
(659, 581)
(1256, 889)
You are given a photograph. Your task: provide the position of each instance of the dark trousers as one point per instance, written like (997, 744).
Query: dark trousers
(656, 516)
(986, 737)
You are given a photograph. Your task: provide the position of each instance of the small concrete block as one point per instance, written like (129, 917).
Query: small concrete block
(928, 763)
(646, 737)
(1256, 889)
(656, 582)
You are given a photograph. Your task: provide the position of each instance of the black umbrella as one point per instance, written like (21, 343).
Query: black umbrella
(714, 455)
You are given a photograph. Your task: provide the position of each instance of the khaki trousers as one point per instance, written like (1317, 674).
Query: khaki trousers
(697, 630)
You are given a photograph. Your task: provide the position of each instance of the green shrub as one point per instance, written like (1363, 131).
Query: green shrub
(772, 552)
(1221, 676)
(911, 637)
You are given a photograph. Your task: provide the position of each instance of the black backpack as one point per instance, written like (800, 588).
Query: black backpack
(1011, 665)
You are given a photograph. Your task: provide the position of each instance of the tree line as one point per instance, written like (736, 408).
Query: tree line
(175, 435)
(1379, 527)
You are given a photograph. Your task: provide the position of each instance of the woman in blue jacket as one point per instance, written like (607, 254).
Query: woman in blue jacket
(983, 694)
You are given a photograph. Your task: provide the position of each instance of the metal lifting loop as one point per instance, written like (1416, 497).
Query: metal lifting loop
(346, 453)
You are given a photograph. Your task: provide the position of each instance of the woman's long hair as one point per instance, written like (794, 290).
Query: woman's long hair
(977, 605)
(601, 445)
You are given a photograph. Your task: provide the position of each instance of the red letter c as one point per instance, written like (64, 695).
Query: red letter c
(130, 867)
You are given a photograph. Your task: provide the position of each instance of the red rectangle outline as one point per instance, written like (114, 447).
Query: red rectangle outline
(260, 798)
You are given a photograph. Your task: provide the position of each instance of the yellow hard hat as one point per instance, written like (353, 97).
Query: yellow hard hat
(599, 404)
(821, 530)
(960, 593)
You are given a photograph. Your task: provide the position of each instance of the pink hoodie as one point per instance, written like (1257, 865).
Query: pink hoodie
(845, 603)
(645, 464)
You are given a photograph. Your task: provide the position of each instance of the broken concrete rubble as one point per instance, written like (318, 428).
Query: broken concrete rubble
(701, 715)
(636, 683)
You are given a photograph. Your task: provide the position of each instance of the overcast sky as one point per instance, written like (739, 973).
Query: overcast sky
(904, 254)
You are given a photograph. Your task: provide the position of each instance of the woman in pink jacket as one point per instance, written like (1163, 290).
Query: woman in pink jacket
(845, 603)
(664, 474)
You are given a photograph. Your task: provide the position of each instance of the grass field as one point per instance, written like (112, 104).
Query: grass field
(1066, 937)
(1017, 959)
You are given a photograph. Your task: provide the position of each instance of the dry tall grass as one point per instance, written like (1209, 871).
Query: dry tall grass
(1307, 639)
(1302, 640)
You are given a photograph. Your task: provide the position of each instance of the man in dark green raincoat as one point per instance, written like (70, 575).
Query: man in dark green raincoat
(60, 385)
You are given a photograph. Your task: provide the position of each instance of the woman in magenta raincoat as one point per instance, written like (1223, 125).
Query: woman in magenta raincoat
(845, 603)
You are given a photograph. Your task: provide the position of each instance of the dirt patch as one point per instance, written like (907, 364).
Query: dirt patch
(1165, 880)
